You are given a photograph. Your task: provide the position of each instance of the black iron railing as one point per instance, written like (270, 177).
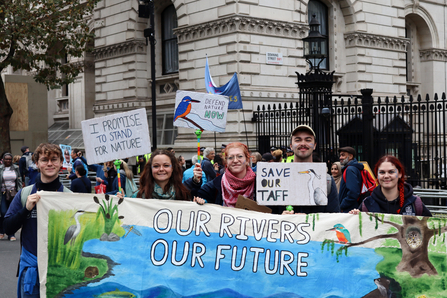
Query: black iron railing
(412, 129)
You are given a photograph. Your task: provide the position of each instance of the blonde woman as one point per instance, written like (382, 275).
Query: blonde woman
(125, 174)
(277, 155)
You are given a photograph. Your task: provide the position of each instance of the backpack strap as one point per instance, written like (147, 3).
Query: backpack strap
(418, 206)
(363, 208)
(26, 191)
(344, 174)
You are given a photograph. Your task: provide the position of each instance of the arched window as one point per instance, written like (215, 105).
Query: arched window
(169, 40)
(320, 10)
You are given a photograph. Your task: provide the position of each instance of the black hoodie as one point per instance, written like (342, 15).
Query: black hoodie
(378, 203)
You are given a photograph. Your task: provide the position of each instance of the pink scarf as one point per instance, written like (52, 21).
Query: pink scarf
(232, 187)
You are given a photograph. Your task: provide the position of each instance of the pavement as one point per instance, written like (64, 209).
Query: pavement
(9, 260)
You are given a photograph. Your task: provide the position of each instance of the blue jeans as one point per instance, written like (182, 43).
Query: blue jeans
(3, 208)
(36, 289)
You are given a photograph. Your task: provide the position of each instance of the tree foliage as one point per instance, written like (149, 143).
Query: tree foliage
(40, 37)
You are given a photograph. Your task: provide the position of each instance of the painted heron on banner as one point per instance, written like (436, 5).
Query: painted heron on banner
(74, 230)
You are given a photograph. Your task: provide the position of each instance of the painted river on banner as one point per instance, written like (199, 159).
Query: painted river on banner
(309, 270)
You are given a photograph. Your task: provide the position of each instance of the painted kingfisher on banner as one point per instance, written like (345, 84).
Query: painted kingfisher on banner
(184, 107)
(342, 233)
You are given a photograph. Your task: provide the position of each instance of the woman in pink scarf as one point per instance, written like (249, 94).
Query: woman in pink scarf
(238, 179)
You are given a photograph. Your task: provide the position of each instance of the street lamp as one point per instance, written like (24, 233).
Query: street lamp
(316, 87)
(315, 45)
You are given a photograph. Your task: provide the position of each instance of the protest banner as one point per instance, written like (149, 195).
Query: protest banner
(66, 151)
(200, 111)
(98, 246)
(297, 184)
(116, 136)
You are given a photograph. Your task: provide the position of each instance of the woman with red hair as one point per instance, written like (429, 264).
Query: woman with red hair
(238, 179)
(393, 195)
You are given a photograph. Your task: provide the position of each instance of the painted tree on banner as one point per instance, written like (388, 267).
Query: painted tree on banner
(414, 236)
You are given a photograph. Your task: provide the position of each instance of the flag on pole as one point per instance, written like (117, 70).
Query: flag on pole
(230, 89)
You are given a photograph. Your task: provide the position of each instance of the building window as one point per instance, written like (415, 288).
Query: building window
(169, 40)
(166, 131)
(321, 11)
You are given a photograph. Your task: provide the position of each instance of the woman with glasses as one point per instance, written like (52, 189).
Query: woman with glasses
(162, 179)
(238, 179)
(10, 181)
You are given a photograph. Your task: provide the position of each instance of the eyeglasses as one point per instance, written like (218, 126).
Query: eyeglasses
(45, 161)
(238, 157)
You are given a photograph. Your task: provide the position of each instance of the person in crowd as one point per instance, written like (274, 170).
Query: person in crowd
(272, 149)
(207, 164)
(277, 155)
(201, 153)
(162, 179)
(48, 159)
(222, 150)
(110, 174)
(255, 158)
(141, 162)
(393, 195)
(267, 157)
(10, 181)
(23, 164)
(100, 174)
(182, 163)
(336, 174)
(189, 173)
(289, 155)
(81, 184)
(16, 159)
(303, 143)
(219, 164)
(76, 155)
(125, 173)
(349, 189)
(238, 179)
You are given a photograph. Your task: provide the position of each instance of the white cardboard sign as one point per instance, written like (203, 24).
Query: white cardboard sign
(116, 136)
(295, 183)
(201, 111)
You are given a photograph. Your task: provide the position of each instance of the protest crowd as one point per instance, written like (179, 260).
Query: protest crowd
(212, 178)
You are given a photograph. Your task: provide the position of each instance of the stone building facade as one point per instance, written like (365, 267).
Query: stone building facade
(396, 47)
